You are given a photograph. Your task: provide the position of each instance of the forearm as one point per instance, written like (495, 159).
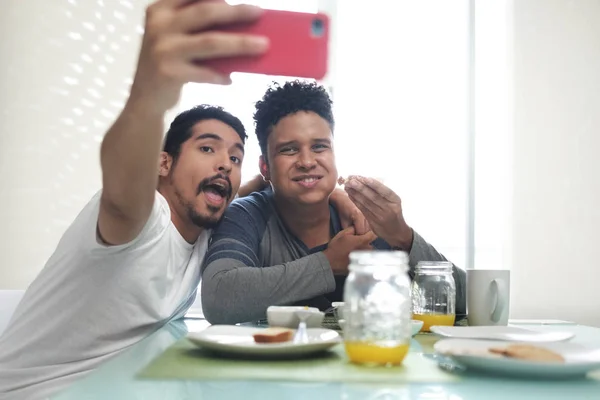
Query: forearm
(233, 292)
(129, 160)
(423, 251)
(339, 198)
(255, 184)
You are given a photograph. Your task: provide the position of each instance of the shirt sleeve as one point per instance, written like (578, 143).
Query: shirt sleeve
(236, 287)
(83, 232)
(423, 251)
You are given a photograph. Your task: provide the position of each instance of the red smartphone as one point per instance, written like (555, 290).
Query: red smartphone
(298, 46)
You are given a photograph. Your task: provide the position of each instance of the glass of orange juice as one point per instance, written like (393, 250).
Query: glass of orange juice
(433, 294)
(377, 308)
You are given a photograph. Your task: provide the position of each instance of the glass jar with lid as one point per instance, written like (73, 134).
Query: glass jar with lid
(377, 305)
(433, 293)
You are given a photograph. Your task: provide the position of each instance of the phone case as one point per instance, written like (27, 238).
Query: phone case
(298, 46)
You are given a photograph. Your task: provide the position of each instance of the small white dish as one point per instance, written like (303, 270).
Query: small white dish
(415, 325)
(508, 333)
(285, 316)
(474, 355)
(338, 309)
(238, 341)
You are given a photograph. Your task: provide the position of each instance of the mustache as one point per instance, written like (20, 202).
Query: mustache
(208, 181)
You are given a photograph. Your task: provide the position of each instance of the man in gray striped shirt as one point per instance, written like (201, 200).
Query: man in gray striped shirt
(285, 245)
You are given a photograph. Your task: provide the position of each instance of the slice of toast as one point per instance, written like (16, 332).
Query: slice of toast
(274, 335)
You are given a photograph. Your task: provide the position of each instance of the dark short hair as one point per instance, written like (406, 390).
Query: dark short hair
(281, 101)
(181, 127)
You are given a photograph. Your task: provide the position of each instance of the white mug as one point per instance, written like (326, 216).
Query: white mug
(488, 297)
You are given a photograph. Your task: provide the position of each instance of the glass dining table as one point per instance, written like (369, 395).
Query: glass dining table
(118, 378)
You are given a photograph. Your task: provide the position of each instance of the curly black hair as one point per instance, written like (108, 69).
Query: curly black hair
(181, 127)
(281, 101)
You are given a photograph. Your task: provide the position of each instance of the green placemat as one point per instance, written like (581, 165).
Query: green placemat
(185, 361)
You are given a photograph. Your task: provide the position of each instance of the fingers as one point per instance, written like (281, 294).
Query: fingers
(168, 3)
(179, 58)
(368, 237)
(202, 15)
(218, 44)
(365, 195)
(203, 75)
(348, 231)
(381, 189)
(364, 202)
(365, 209)
(360, 223)
(372, 188)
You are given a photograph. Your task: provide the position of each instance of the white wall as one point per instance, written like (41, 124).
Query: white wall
(64, 73)
(556, 160)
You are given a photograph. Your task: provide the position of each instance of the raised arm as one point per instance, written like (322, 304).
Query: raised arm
(177, 38)
(349, 214)
(382, 208)
(256, 184)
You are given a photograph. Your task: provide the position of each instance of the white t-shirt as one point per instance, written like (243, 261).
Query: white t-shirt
(91, 301)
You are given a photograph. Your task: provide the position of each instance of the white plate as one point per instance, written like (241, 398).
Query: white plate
(474, 355)
(338, 309)
(238, 340)
(509, 333)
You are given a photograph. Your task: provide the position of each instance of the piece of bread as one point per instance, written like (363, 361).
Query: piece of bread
(274, 335)
(343, 181)
(528, 352)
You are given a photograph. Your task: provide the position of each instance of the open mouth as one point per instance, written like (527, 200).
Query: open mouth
(308, 180)
(216, 192)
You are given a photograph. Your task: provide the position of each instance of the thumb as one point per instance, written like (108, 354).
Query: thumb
(368, 237)
(348, 231)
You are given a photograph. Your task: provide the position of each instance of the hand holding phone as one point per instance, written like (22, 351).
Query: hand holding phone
(178, 36)
(298, 46)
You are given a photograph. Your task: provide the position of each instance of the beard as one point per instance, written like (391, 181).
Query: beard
(203, 221)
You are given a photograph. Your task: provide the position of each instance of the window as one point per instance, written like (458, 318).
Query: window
(239, 98)
(399, 77)
(401, 102)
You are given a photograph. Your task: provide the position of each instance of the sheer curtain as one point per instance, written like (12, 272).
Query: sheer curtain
(399, 82)
(401, 103)
(239, 98)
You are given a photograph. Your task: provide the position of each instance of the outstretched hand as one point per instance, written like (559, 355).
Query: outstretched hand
(181, 34)
(382, 208)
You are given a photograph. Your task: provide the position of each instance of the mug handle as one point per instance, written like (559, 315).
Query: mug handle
(500, 288)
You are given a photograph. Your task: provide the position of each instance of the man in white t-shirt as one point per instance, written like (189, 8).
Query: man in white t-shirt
(130, 261)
